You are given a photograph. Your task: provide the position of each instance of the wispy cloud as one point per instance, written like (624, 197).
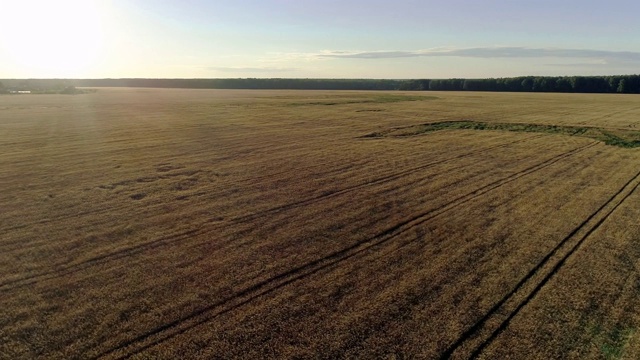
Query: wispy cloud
(600, 62)
(490, 52)
(251, 69)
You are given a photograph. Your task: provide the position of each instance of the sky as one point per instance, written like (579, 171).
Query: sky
(392, 39)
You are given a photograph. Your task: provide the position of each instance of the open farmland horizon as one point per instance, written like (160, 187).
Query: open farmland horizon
(166, 223)
(624, 84)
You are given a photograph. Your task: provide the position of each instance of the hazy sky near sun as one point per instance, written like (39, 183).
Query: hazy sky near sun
(317, 38)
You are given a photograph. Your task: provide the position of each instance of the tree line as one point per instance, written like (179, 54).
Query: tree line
(248, 83)
(628, 84)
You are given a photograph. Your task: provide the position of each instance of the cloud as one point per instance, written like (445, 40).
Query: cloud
(491, 52)
(251, 69)
(600, 62)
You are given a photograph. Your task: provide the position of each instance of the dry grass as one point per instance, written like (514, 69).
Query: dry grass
(154, 223)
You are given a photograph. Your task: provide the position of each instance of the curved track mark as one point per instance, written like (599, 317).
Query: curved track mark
(271, 284)
(380, 180)
(165, 240)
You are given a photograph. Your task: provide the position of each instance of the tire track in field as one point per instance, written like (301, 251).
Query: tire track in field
(169, 239)
(259, 213)
(18, 244)
(25, 281)
(380, 180)
(251, 180)
(538, 276)
(278, 281)
(401, 312)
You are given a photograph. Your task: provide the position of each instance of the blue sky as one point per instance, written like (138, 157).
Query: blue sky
(318, 39)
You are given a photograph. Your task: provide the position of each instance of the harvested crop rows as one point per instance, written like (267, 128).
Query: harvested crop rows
(150, 223)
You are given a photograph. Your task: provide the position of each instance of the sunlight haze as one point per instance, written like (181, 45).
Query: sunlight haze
(316, 39)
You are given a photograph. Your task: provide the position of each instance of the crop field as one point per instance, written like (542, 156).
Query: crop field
(157, 223)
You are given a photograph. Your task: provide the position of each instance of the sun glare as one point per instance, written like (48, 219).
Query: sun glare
(62, 38)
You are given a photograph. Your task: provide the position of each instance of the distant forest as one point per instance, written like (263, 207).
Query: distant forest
(628, 84)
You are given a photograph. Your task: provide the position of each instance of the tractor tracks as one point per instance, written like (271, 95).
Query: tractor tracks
(66, 269)
(377, 181)
(179, 326)
(471, 343)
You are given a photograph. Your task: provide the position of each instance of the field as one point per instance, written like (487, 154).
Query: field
(155, 223)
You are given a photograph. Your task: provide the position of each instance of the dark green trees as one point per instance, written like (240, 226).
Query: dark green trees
(575, 84)
(628, 84)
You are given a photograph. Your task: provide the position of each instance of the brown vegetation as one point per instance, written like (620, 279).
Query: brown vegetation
(262, 224)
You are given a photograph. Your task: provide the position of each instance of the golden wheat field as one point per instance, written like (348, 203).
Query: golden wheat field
(162, 224)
